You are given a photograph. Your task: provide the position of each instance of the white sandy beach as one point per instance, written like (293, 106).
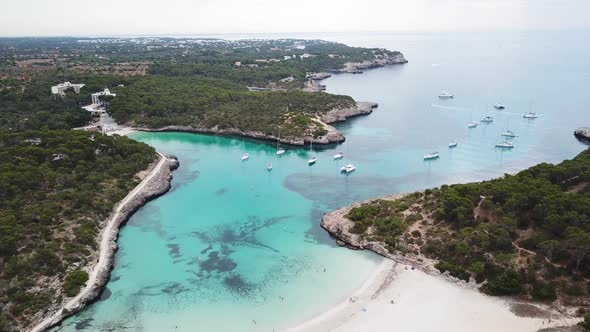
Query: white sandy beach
(421, 302)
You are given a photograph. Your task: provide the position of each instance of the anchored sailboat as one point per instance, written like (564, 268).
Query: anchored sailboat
(311, 159)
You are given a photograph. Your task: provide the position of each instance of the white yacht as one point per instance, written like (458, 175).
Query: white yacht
(505, 145)
(453, 145)
(339, 155)
(431, 156)
(508, 133)
(347, 168)
(269, 167)
(487, 119)
(446, 95)
(530, 115)
(473, 124)
(499, 106)
(245, 156)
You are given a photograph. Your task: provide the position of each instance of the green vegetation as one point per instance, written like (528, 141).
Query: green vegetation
(526, 234)
(74, 281)
(55, 189)
(206, 103)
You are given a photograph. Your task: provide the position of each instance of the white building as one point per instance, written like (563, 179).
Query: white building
(96, 96)
(61, 88)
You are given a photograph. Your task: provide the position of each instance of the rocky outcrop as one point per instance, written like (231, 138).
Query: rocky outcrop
(583, 133)
(332, 136)
(339, 227)
(153, 185)
(357, 67)
(338, 115)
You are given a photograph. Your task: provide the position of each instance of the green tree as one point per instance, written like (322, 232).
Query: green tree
(579, 240)
(548, 247)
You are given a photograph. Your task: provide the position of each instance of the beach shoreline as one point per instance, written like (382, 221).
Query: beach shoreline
(398, 297)
(156, 183)
(346, 317)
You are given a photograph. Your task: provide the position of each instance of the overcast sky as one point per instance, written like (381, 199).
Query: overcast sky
(144, 17)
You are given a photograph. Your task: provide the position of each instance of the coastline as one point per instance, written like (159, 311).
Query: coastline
(397, 297)
(155, 184)
(333, 135)
(583, 134)
(534, 315)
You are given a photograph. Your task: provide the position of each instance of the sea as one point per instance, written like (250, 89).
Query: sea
(235, 247)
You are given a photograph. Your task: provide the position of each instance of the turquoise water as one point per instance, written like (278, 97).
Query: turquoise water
(233, 247)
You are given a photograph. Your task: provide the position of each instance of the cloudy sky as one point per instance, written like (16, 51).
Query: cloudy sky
(140, 17)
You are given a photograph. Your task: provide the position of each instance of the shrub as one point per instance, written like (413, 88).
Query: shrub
(74, 281)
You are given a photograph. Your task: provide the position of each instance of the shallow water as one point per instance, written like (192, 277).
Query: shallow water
(233, 247)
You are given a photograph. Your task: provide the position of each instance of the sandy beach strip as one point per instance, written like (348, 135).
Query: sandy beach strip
(397, 298)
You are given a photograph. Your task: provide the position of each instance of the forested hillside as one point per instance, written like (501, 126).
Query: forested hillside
(206, 103)
(526, 234)
(55, 189)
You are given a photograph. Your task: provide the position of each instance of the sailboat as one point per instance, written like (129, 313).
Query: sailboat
(472, 124)
(508, 133)
(453, 144)
(280, 151)
(245, 156)
(339, 155)
(311, 159)
(530, 114)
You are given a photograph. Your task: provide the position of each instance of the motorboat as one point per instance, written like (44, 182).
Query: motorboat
(446, 95)
(530, 115)
(504, 145)
(312, 160)
(339, 155)
(245, 156)
(269, 167)
(499, 106)
(347, 168)
(487, 119)
(453, 145)
(431, 156)
(473, 124)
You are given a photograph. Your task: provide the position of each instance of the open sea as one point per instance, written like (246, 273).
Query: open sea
(233, 247)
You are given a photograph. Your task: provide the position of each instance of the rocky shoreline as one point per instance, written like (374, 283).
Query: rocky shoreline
(333, 136)
(339, 226)
(583, 134)
(155, 184)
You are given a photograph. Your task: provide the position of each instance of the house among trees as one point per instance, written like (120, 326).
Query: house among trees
(61, 88)
(33, 141)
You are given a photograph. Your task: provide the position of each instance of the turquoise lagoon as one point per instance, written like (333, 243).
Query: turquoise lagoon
(233, 247)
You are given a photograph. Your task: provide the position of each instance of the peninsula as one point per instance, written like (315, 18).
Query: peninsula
(254, 88)
(502, 235)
